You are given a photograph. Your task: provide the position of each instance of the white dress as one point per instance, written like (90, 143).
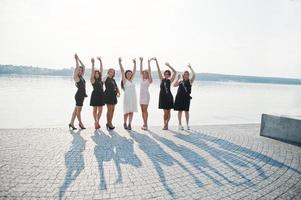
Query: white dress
(130, 97)
(144, 92)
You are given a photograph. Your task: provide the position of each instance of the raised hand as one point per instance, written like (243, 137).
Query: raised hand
(134, 60)
(141, 59)
(119, 59)
(75, 56)
(92, 60)
(167, 64)
(189, 66)
(99, 58)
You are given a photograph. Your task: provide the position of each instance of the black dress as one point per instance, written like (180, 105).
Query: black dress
(182, 102)
(165, 97)
(110, 92)
(97, 96)
(81, 91)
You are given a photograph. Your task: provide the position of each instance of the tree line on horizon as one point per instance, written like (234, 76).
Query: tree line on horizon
(29, 70)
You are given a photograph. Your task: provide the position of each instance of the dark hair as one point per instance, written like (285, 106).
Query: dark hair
(97, 71)
(167, 71)
(122, 85)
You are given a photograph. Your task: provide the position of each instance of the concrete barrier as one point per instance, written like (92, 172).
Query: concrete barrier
(282, 128)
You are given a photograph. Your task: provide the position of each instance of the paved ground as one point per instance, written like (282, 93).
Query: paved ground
(209, 162)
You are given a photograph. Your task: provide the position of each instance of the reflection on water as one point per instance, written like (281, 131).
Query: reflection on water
(43, 101)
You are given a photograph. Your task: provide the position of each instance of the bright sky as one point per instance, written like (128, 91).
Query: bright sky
(249, 37)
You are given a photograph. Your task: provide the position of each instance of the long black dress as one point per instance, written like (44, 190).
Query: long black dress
(182, 102)
(97, 96)
(111, 91)
(165, 97)
(81, 91)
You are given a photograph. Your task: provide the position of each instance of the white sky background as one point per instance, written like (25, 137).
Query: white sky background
(249, 37)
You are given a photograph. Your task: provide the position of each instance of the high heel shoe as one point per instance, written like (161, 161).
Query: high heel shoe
(71, 126)
(125, 126)
(81, 126)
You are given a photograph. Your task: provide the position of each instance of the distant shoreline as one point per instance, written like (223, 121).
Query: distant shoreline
(34, 71)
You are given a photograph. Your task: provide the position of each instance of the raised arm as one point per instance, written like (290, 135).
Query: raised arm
(100, 65)
(149, 72)
(174, 72)
(121, 70)
(92, 79)
(82, 64)
(141, 67)
(75, 73)
(134, 69)
(158, 68)
(193, 74)
(176, 84)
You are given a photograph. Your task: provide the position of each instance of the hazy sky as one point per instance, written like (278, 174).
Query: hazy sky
(251, 37)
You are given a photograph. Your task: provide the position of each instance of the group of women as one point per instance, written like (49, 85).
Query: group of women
(108, 96)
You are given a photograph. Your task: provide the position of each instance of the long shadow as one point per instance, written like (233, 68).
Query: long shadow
(243, 151)
(123, 154)
(231, 154)
(197, 161)
(103, 152)
(74, 161)
(159, 157)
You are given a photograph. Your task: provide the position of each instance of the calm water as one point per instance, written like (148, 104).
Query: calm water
(42, 101)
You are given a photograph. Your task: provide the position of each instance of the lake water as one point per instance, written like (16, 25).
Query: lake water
(45, 101)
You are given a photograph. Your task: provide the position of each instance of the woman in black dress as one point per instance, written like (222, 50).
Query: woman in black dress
(97, 96)
(166, 101)
(182, 102)
(110, 96)
(80, 94)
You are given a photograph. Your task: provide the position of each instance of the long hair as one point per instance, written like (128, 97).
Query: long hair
(186, 72)
(99, 73)
(122, 85)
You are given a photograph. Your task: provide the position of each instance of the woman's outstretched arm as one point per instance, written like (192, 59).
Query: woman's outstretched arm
(141, 67)
(82, 65)
(149, 72)
(121, 70)
(75, 73)
(92, 79)
(174, 72)
(158, 68)
(100, 65)
(176, 84)
(193, 74)
(134, 69)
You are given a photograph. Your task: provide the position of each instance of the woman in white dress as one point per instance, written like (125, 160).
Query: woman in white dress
(130, 97)
(146, 80)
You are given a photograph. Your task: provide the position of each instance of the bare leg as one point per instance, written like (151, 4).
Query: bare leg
(131, 117)
(95, 115)
(112, 114)
(180, 118)
(73, 116)
(78, 114)
(187, 117)
(108, 114)
(125, 117)
(167, 118)
(99, 108)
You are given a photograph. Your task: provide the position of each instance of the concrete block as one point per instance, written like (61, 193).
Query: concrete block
(282, 128)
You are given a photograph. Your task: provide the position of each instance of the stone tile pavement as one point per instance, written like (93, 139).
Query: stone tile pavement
(208, 162)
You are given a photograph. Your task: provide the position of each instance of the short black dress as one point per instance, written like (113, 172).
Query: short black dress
(165, 97)
(81, 91)
(111, 91)
(182, 102)
(97, 96)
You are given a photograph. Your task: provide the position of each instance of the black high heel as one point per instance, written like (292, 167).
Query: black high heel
(110, 127)
(81, 127)
(71, 126)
